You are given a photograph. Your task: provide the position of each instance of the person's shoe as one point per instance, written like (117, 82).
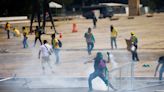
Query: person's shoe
(138, 60)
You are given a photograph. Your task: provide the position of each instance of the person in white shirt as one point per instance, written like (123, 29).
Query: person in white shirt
(45, 52)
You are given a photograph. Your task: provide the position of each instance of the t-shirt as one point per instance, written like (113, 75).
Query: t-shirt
(134, 40)
(37, 32)
(114, 33)
(44, 51)
(55, 43)
(7, 27)
(89, 37)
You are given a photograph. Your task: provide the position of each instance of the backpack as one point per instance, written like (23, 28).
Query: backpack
(59, 43)
(161, 60)
(102, 64)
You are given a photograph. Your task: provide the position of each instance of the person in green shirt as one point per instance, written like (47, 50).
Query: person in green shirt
(90, 40)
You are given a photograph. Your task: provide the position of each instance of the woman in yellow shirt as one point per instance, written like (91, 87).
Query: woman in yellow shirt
(113, 37)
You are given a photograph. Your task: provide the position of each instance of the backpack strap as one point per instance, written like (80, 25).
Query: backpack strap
(47, 50)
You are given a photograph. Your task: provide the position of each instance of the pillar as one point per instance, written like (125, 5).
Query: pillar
(134, 9)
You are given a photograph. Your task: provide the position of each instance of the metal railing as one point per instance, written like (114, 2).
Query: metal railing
(122, 77)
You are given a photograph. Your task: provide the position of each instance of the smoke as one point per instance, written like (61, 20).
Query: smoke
(112, 61)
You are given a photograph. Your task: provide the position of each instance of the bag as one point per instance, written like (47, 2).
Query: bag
(48, 50)
(102, 64)
(161, 60)
(133, 48)
(59, 43)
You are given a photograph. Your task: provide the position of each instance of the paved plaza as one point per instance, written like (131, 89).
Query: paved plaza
(71, 74)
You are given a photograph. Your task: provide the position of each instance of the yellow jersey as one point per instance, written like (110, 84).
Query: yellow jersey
(114, 33)
(55, 43)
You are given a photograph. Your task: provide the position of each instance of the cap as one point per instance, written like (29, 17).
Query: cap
(132, 33)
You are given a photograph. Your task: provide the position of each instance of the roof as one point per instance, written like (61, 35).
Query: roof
(54, 5)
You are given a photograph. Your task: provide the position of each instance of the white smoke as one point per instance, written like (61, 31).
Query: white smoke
(112, 61)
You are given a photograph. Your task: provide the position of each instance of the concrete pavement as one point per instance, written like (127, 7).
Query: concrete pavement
(25, 64)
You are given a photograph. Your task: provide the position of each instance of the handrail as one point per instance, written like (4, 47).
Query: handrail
(120, 68)
(8, 78)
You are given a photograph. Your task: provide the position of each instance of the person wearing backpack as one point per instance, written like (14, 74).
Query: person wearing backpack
(160, 62)
(45, 52)
(100, 70)
(90, 40)
(56, 45)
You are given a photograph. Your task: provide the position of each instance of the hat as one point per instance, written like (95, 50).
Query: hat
(132, 33)
(99, 54)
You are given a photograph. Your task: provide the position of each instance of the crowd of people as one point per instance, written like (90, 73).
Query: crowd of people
(100, 69)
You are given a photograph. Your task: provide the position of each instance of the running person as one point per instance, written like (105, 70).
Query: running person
(99, 71)
(45, 50)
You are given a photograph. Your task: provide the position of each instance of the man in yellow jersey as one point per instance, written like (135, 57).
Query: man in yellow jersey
(55, 46)
(113, 36)
(25, 33)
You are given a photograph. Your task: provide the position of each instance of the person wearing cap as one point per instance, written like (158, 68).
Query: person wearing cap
(113, 36)
(100, 70)
(134, 47)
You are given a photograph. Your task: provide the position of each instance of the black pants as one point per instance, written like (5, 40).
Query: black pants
(135, 56)
(38, 38)
(8, 34)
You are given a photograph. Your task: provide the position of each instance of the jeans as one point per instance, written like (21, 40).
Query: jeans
(161, 72)
(135, 56)
(56, 51)
(25, 45)
(90, 46)
(96, 73)
(113, 41)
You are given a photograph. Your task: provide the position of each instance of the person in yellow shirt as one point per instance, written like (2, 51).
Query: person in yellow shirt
(16, 32)
(25, 44)
(56, 47)
(113, 36)
(7, 28)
